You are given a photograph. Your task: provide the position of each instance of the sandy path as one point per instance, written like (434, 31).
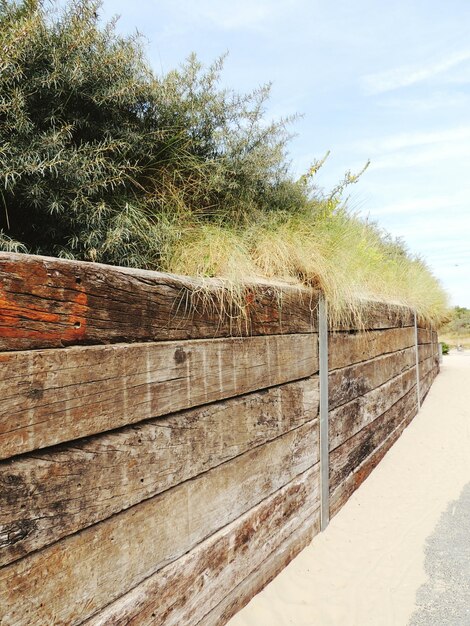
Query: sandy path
(387, 558)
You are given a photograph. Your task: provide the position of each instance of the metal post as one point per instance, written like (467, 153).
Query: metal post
(418, 391)
(324, 447)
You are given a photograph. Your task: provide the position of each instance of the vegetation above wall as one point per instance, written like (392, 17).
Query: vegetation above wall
(102, 160)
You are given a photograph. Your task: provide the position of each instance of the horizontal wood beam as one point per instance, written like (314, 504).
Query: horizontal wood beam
(350, 382)
(350, 418)
(341, 495)
(348, 348)
(345, 459)
(53, 396)
(50, 303)
(425, 335)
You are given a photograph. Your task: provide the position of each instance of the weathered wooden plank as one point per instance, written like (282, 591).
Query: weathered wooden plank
(341, 495)
(257, 580)
(46, 302)
(51, 396)
(71, 580)
(374, 316)
(426, 366)
(427, 382)
(348, 383)
(182, 593)
(348, 348)
(350, 418)
(425, 351)
(355, 450)
(46, 496)
(424, 335)
(344, 490)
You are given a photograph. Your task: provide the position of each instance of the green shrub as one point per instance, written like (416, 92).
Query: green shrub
(445, 347)
(101, 160)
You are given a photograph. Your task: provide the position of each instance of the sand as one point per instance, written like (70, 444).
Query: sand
(389, 558)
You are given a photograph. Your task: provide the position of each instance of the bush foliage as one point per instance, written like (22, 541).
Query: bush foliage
(100, 157)
(103, 160)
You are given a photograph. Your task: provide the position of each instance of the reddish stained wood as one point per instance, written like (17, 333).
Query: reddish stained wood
(49, 303)
(46, 496)
(76, 577)
(52, 396)
(182, 593)
(56, 302)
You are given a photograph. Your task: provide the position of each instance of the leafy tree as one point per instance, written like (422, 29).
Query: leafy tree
(459, 322)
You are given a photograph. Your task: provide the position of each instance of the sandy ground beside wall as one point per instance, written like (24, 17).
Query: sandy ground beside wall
(398, 553)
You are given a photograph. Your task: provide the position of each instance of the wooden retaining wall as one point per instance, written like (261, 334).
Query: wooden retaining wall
(159, 458)
(373, 395)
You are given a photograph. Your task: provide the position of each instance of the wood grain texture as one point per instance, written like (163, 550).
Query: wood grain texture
(425, 335)
(425, 351)
(46, 496)
(52, 396)
(182, 593)
(341, 495)
(426, 366)
(427, 382)
(349, 348)
(350, 418)
(258, 579)
(377, 316)
(350, 382)
(73, 579)
(348, 457)
(50, 303)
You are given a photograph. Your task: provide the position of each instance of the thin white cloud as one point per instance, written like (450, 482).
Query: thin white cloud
(227, 15)
(406, 76)
(403, 141)
(422, 205)
(438, 154)
(443, 100)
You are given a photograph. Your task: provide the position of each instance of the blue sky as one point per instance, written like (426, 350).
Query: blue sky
(389, 81)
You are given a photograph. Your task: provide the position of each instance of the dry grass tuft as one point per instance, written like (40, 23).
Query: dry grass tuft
(349, 259)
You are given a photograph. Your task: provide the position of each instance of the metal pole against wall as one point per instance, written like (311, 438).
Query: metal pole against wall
(418, 391)
(324, 447)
